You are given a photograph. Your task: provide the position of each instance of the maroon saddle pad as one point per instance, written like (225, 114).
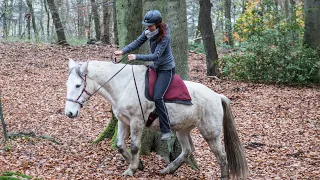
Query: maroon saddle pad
(176, 93)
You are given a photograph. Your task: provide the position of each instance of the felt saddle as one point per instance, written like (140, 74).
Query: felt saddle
(176, 93)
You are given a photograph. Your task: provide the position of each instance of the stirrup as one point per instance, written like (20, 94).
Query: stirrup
(152, 116)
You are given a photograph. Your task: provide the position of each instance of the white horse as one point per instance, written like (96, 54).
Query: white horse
(210, 113)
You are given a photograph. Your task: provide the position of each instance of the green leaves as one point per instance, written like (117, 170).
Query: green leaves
(273, 57)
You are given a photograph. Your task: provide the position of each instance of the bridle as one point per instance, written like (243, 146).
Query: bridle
(84, 78)
(77, 69)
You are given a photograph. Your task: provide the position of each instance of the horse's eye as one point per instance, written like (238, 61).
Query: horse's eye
(77, 86)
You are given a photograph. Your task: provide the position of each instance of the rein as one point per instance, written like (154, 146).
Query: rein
(90, 95)
(77, 69)
(135, 84)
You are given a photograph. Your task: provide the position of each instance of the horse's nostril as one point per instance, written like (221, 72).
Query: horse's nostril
(70, 114)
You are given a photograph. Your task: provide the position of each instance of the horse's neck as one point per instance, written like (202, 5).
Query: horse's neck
(120, 84)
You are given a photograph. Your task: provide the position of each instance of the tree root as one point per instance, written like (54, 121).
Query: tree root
(14, 135)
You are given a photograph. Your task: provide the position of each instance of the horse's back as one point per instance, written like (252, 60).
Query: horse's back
(200, 91)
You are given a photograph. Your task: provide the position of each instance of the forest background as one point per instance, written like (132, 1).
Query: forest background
(253, 41)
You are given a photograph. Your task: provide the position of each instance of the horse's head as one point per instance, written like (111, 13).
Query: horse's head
(78, 89)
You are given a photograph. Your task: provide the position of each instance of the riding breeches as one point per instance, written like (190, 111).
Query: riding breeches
(161, 86)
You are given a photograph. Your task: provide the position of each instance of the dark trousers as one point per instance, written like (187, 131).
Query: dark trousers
(162, 84)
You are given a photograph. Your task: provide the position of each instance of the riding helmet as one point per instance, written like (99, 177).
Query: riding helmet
(152, 17)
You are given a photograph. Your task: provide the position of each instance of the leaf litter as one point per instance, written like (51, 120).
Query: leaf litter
(278, 125)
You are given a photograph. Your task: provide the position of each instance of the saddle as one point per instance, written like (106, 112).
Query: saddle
(176, 93)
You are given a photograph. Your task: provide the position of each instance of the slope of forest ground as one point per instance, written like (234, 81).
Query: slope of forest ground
(278, 125)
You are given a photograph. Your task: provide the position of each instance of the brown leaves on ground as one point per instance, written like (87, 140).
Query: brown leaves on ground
(278, 125)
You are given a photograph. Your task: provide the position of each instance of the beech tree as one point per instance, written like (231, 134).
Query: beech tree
(96, 19)
(208, 39)
(4, 125)
(312, 24)
(57, 22)
(33, 20)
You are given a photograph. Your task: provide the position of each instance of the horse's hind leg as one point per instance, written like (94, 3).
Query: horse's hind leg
(213, 138)
(184, 140)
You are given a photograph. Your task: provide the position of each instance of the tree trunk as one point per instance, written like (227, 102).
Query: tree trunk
(293, 20)
(81, 16)
(20, 18)
(227, 16)
(96, 19)
(129, 17)
(175, 14)
(312, 24)
(41, 20)
(192, 13)
(87, 20)
(115, 25)
(208, 37)
(4, 125)
(4, 17)
(10, 18)
(48, 18)
(28, 17)
(286, 10)
(58, 25)
(88, 28)
(35, 30)
(106, 23)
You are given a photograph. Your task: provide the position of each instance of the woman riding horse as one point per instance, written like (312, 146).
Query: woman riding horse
(158, 34)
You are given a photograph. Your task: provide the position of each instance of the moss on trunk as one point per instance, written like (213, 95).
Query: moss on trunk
(109, 130)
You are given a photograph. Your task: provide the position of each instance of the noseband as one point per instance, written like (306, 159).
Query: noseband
(84, 78)
(77, 69)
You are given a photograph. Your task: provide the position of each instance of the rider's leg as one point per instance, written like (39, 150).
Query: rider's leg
(161, 86)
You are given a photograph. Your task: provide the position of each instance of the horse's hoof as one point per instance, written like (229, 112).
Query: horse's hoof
(141, 166)
(128, 172)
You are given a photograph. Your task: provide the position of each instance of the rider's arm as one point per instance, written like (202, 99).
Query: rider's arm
(135, 44)
(161, 46)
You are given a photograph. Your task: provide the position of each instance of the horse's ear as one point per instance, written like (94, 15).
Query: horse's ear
(72, 63)
(84, 68)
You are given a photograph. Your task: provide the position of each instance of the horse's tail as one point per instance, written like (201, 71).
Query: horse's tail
(235, 155)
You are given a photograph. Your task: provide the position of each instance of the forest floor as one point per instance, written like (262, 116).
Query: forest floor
(278, 125)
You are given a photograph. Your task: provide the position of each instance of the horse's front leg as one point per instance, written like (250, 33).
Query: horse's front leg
(123, 134)
(136, 130)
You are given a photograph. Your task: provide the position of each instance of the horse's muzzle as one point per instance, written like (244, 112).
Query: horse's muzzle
(72, 115)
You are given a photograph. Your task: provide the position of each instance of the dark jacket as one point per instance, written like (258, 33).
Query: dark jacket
(161, 52)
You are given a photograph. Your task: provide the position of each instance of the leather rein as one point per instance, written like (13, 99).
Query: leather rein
(84, 78)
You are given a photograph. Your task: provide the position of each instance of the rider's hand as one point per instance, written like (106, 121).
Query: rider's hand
(131, 57)
(117, 53)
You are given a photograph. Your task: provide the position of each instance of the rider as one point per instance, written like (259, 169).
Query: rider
(158, 34)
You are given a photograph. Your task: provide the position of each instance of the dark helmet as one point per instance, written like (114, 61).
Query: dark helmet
(152, 17)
